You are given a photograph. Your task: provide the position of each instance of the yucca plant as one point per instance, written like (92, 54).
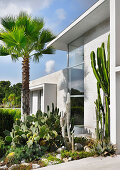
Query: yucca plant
(24, 37)
(101, 70)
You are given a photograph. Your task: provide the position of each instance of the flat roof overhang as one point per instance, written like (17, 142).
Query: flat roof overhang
(98, 13)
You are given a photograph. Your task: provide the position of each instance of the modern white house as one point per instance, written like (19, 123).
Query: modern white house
(80, 38)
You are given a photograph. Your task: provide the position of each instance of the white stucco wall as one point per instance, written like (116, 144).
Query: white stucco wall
(60, 79)
(50, 96)
(92, 40)
(115, 73)
(35, 101)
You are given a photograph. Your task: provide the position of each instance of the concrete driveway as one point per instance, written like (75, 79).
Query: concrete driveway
(99, 163)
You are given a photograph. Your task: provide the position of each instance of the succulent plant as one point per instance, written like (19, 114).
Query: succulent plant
(35, 128)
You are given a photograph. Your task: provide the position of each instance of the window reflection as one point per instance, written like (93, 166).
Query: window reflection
(76, 80)
(77, 110)
(76, 55)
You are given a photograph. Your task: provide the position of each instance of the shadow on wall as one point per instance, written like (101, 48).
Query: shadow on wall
(96, 32)
(91, 35)
(86, 73)
(63, 85)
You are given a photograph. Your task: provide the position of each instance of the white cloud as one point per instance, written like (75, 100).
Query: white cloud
(61, 13)
(13, 7)
(50, 66)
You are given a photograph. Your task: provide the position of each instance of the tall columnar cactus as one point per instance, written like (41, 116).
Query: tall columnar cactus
(101, 70)
(99, 115)
(65, 120)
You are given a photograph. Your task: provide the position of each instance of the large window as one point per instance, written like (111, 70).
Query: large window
(76, 80)
(77, 110)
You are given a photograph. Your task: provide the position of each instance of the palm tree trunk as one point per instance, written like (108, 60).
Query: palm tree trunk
(25, 85)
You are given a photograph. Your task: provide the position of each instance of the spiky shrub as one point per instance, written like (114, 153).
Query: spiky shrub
(103, 148)
(101, 70)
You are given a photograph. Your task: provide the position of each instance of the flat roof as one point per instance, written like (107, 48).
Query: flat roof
(95, 15)
(40, 86)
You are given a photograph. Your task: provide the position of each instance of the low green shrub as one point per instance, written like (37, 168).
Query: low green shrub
(52, 158)
(22, 167)
(16, 154)
(76, 155)
(82, 140)
(7, 118)
(2, 147)
(85, 141)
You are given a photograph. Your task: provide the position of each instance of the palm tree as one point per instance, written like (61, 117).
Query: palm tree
(25, 37)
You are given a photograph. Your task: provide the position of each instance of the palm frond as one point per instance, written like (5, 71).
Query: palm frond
(49, 50)
(46, 36)
(3, 51)
(24, 35)
(14, 39)
(8, 22)
(32, 26)
(14, 57)
(37, 56)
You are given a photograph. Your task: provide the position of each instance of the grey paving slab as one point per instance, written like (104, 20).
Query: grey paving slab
(99, 163)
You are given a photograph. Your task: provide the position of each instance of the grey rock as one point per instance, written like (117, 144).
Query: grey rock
(58, 156)
(87, 149)
(26, 164)
(63, 147)
(65, 159)
(78, 147)
(4, 167)
(69, 159)
(23, 161)
(13, 166)
(60, 149)
(35, 166)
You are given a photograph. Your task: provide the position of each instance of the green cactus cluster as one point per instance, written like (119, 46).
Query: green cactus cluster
(101, 69)
(42, 129)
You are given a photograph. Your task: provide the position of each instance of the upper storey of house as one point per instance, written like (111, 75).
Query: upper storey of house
(95, 15)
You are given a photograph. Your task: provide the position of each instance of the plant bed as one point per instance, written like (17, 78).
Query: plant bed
(37, 142)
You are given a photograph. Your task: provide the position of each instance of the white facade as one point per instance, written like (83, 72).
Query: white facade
(92, 28)
(54, 89)
(41, 97)
(92, 40)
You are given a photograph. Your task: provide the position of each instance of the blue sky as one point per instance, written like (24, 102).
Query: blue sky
(57, 14)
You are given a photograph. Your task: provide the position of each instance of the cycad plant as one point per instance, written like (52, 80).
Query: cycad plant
(24, 37)
(101, 70)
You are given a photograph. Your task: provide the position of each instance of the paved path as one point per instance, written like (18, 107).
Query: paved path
(99, 163)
